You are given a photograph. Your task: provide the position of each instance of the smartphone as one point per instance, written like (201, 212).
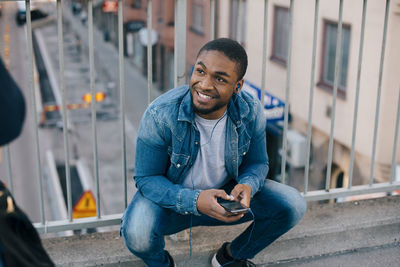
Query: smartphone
(234, 207)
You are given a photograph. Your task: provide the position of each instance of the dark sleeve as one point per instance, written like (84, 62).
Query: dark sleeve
(12, 107)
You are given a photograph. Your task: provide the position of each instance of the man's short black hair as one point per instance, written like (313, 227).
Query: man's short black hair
(230, 48)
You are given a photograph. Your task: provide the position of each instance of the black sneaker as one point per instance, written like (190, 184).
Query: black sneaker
(220, 260)
(171, 260)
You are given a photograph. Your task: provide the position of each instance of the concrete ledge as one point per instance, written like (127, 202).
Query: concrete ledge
(325, 229)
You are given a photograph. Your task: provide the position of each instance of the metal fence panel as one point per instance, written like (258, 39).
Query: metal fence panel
(180, 79)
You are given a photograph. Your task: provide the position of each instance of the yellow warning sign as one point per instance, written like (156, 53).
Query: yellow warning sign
(85, 206)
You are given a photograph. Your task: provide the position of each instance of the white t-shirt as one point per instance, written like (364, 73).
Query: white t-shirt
(208, 171)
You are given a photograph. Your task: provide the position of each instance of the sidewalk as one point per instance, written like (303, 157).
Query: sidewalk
(342, 234)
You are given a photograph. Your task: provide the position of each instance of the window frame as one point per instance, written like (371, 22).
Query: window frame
(137, 4)
(274, 57)
(322, 83)
(194, 27)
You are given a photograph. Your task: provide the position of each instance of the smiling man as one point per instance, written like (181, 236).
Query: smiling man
(199, 145)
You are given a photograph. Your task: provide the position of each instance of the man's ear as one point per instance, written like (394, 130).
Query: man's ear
(239, 86)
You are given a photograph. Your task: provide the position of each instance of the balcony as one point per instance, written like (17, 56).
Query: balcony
(99, 143)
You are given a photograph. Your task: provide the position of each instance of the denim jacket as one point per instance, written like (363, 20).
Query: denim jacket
(168, 143)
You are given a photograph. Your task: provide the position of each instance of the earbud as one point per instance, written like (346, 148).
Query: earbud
(237, 87)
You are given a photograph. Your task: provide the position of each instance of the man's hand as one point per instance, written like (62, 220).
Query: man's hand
(242, 193)
(207, 204)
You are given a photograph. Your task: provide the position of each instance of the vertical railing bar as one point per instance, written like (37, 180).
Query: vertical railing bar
(149, 52)
(378, 98)
(239, 22)
(10, 180)
(7, 147)
(264, 58)
(33, 100)
(287, 90)
(122, 97)
(93, 106)
(64, 108)
(396, 135)
(180, 43)
(355, 116)
(212, 20)
(338, 63)
(311, 98)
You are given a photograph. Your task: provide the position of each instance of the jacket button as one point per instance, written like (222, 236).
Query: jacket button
(196, 143)
(244, 153)
(178, 165)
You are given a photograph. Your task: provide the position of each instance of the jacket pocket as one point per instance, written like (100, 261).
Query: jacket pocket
(242, 151)
(178, 164)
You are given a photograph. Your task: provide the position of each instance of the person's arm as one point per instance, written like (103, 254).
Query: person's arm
(151, 166)
(254, 167)
(12, 107)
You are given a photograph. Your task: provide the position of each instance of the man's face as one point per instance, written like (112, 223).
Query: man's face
(212, 84)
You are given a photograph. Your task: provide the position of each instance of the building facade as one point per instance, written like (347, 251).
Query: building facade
(300, 76)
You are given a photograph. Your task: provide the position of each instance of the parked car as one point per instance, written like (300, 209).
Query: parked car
(1, 7)
(21, 13)
(76, 8)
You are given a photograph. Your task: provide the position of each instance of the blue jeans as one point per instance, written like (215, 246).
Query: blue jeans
(276, 208)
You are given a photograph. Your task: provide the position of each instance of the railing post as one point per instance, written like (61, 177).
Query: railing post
(122, 97)
(149, 50)
(311, 98)
(180, 43)
(287, 91)
(93, 106)
(239, 23)
(338, 67)
(353, 138)
(212, 19)
(396, 136)
(10, 180)
(64, 108)
(378, 97)
(264, 53)
(33, 98)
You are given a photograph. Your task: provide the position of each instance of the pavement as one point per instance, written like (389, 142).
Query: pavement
(363, 233)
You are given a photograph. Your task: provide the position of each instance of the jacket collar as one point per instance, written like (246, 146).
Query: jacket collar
(237, 108)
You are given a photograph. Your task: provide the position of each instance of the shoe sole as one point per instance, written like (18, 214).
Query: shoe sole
(214, 262)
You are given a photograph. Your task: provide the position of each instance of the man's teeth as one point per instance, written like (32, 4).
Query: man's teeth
(204, 96)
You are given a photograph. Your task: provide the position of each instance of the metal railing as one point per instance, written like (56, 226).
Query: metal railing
(180, 78)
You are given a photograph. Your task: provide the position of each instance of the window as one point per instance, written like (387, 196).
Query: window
(137, 4)
(329, 54)
(280, 45)
(197, 23)
(238, 21)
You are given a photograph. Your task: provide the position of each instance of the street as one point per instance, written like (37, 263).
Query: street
(25, 180)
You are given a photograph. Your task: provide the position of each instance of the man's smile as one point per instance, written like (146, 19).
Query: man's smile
(203, 95)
